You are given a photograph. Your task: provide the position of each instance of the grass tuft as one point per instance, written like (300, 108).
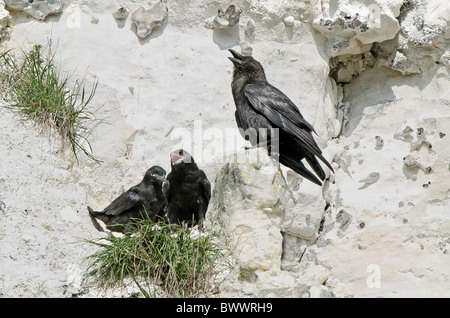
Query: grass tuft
(39, 92)
(182, 264)
(2, 207)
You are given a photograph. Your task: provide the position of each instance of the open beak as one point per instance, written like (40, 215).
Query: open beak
(176, 159)
(237, 58)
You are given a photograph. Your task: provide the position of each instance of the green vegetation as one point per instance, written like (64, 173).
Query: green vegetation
(182, 264)
(41, 93)
(2, 206)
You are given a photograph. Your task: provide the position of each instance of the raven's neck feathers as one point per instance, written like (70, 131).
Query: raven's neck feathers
(185, 168)
(243, 77)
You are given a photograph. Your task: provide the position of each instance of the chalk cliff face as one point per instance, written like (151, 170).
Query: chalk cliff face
(252, 201)
(371, 76)
(4, 20)
(393, 165)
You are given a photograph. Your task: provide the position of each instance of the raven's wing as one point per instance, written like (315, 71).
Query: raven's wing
(238, 120)
(282, 112)
(124, 202)
(263, 95)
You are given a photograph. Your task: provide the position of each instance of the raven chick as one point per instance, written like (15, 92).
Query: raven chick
(145, 200)
(189, 192)
(262, 107)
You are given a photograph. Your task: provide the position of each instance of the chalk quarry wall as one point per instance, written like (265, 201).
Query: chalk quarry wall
(371, 76)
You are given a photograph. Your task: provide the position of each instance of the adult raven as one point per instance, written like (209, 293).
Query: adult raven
(144, 200)
(262, 107)
(189, 190)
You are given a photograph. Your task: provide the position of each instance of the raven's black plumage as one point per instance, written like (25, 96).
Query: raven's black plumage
(190, 191)
(261, 105)
(144, 200)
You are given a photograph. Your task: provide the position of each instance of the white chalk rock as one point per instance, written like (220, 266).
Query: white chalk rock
(402, 64)
(353, 27)
(289, 21)
(121, 13)
(246, 49)
(147, 19)
(38, 9)
(4, 19)
(319, 273)
(320, 291)
(28, 237)
(371, 178)
(69, 215)
(16, 5)
(339, 289)
(225, 18)
(74, 279)
(248, 206)
(304, 213)
(424, 36)
(250, 28)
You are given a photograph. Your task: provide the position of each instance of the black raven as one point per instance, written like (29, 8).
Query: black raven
(262, 107)
(145, 200)
(189, 190)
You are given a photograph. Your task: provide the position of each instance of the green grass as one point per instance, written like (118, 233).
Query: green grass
(182, 265)
(39, 92)
(2, 206)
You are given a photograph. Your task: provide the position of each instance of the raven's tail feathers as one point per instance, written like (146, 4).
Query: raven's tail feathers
(325, 162)
(315, 165)
(94, 215)
(300, 168)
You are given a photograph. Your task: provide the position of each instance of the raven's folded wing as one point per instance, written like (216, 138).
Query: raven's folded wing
(124, 202)
(282, 113)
